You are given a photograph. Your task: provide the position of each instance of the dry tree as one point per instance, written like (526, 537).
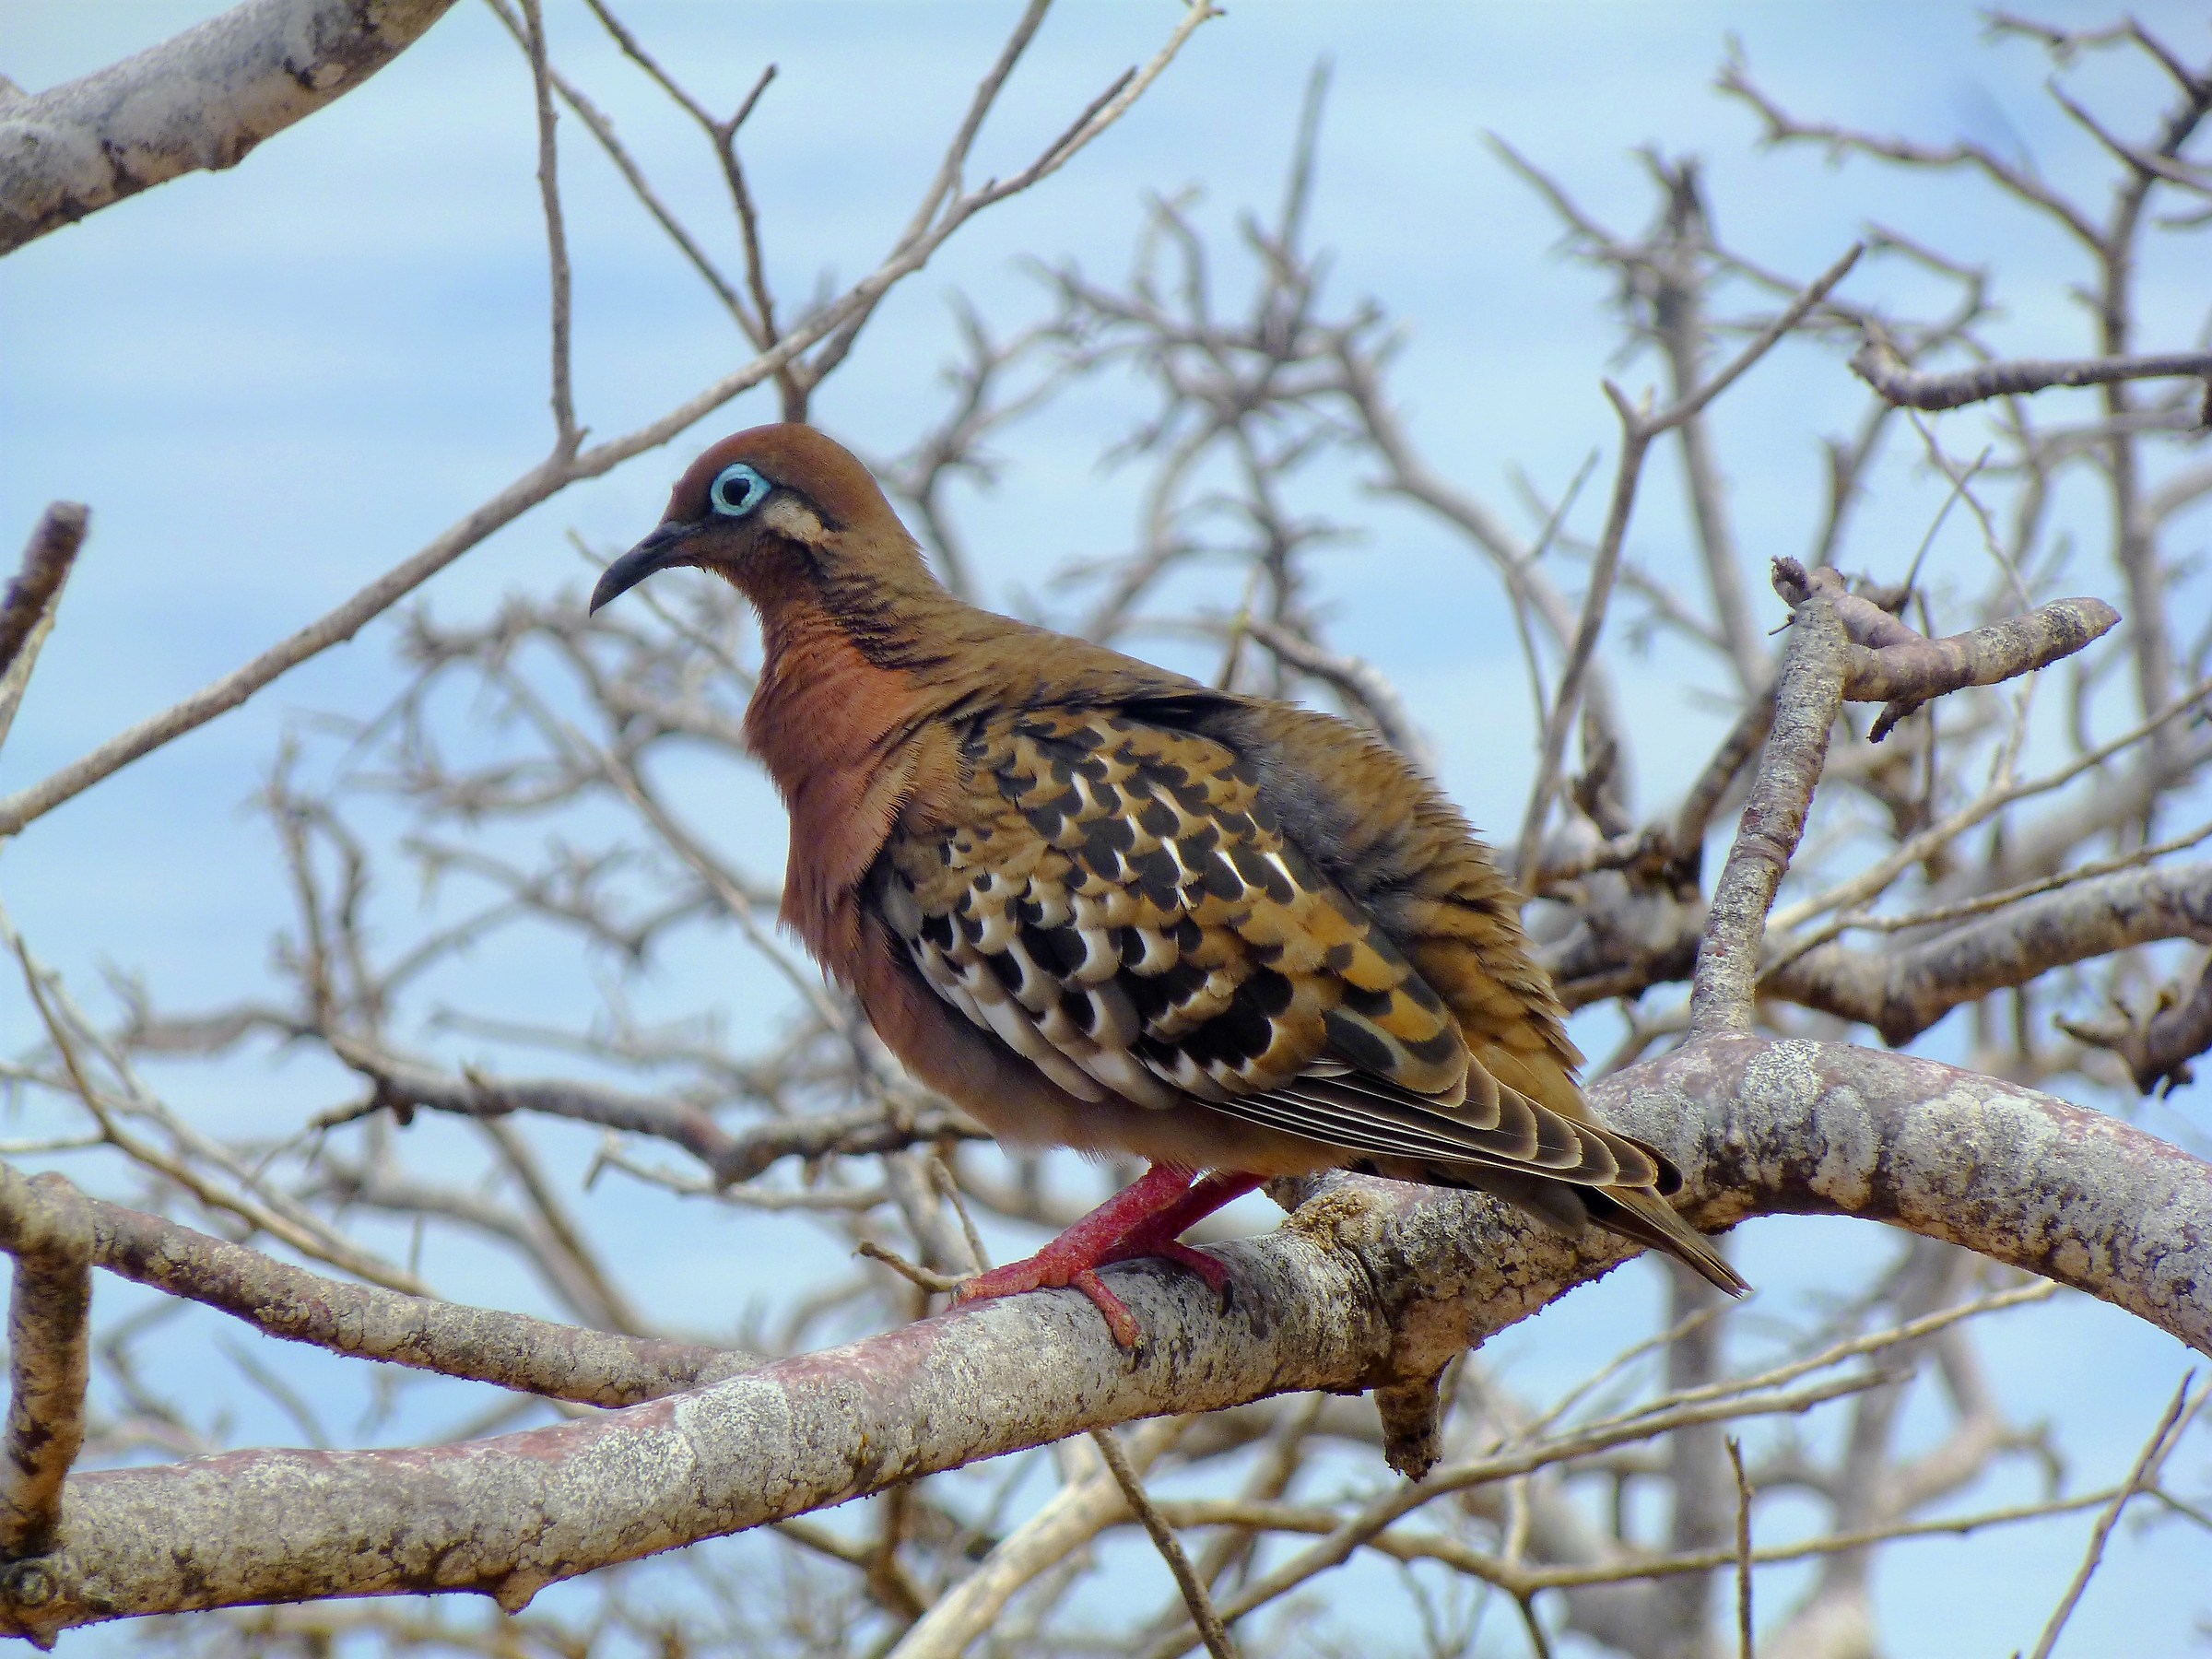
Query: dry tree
(2020, 857)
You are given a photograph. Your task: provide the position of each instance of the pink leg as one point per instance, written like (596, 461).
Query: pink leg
(1158, 1235)
(1140, 1220)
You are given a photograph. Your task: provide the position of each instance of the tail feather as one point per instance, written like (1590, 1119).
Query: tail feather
(1650, 1220)
(1635, 1213)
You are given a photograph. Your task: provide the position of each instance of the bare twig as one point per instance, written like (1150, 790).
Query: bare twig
(27, 613)
(841, 317)
(1743, 1549)
(566, 438)
(1194, 1596)
(2172, 1424)
(1638, 429)
(1876, 365)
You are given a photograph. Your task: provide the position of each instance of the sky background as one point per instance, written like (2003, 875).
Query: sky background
(273, 384)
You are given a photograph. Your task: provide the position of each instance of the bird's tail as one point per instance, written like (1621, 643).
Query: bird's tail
(1640, 1214)
(1635, 1213)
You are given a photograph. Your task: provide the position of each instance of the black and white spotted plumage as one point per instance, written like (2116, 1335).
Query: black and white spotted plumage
(1119, 904)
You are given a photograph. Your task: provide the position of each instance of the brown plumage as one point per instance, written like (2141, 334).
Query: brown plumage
(1103, 906)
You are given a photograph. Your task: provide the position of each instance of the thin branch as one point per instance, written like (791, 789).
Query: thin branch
(487, 1345)
(33, 597)
(556, 473)
(1876, 365)
(1638, 431)
(566, 438)
(596, 122)
(2172, 1425)
(1743, 1549)
(1194, 1596)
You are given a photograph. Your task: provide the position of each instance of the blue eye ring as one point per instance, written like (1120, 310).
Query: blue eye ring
(736, 490)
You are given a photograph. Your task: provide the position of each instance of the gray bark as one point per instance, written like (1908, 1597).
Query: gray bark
(200, 100)
(1369, 1284)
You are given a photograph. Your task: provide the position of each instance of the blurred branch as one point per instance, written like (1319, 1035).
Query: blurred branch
(1878, 367)
(2158, 1044)
(26, 613)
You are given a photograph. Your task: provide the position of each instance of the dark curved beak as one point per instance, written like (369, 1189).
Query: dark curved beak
(659, 550)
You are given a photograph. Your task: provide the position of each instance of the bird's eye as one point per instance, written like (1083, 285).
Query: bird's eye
(736, 490)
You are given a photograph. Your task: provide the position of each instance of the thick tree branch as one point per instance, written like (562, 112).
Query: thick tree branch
(44, 1226)
(1369, 1283)
(202, 99)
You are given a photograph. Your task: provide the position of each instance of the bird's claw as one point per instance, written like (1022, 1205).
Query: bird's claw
(1041, 1272)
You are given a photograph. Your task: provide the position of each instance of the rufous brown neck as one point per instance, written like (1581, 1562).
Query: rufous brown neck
(831, 725)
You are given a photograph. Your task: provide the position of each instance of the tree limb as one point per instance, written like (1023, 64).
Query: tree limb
(1370, 1282)
(1887, 661)
(44, 1226)
(402, 1086)
(201, 99)
(1805, 700)
(1907, 388)
(512, 1351)
(1901, 992)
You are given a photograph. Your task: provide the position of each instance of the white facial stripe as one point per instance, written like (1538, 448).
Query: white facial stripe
(787, 515)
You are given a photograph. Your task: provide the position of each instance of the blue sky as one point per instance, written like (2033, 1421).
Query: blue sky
(273, 384)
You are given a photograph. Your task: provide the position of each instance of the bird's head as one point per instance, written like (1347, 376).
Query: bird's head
(768, 491)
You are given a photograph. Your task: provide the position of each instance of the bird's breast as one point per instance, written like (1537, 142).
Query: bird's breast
(835, 732)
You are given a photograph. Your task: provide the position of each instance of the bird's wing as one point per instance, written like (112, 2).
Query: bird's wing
(1117, 902)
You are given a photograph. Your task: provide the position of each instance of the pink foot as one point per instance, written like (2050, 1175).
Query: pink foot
(1141, 1220)
(1157, 1237)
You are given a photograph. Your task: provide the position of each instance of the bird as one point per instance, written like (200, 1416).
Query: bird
(1099, 904)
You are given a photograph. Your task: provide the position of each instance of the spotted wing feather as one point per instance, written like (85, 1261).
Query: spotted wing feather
(1116, 902)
